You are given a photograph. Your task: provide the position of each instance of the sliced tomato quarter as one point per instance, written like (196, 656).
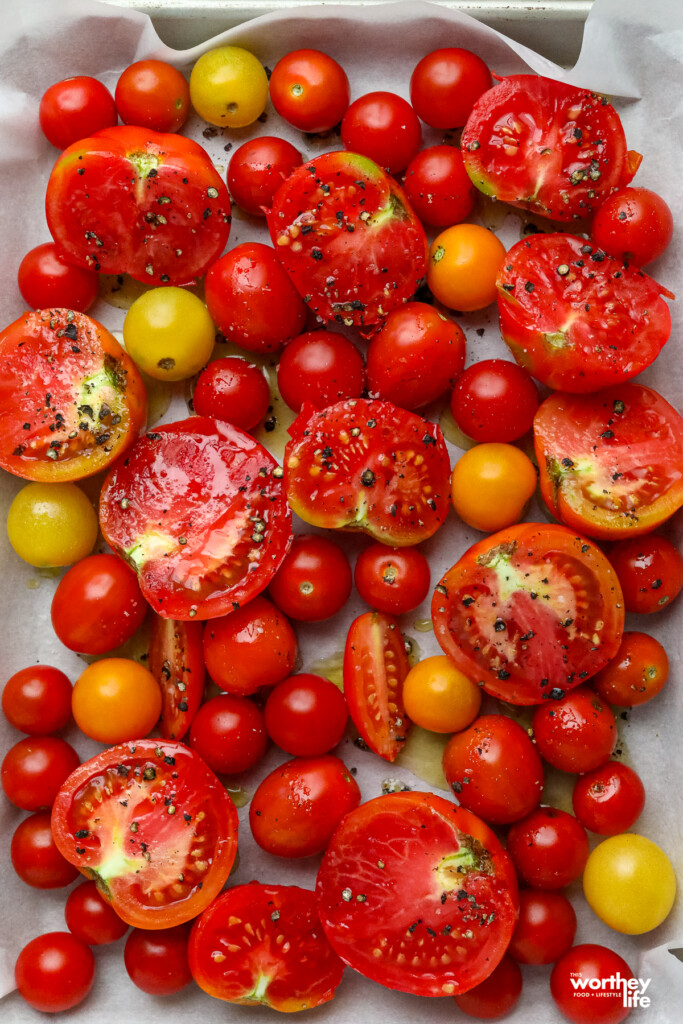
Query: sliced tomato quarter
(176, 660)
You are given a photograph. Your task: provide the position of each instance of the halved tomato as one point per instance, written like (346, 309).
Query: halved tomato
(368, 465)
(71, 400)
(611, 463)
(199, 510)
(530, 612)
(153, 826)
(575, 318)
(176, 660)
(417, 894)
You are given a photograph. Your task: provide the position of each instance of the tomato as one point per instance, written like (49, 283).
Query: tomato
(650, 571)
(549, 848)
(314, 580)
(251, 647)
(463, 263)
(233, 390)
(609, 799)
(51, 524)
(488, 617)
(310, 90)
(156, 867)
(416, 356)
(571, 990)
(242, 290)
(393, 580)
(34, 769)
(320, 368)
(263, 944)
(494, 400)
(229, 87)
(115, 700)
(438, 187)
(152, 94)
(46, 279)
(199, 510)
(346, 235)
(306, 715)
(97, 605)
(296, 808)
(414, 868)
(176, 661)
(256, 170)
(445, 85)
(634, 225)
(575, 318)
(367, 465)
(375, 668)
(440, 698)
(577, 733)
(547, 147)
(36, 857)
(37, 700)
(167, 229)
(74, 108)
(494, 770)
(384, 127)
(90, 918)
(491, 486)
(496, 996)
(90, 394)
(157, 961)
(54, 972)
(630, 883)
(229, 734)
(168, 333)
(545, 928)
(636, 674)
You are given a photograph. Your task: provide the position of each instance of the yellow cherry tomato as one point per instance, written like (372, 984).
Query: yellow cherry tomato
(463, 263)
(491, 485)
(229, 87)
(116, 700)
(438, 697)
(51, 524)
(630, 883)
(169, 334)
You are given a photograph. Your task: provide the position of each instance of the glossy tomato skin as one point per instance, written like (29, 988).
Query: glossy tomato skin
(176, 660)
(153, 94)
(439, 697)
(609, 799)
(310, 90)
(97, 605)
(650, 571)
(157, 961)
(257, 169)
(636, 674)
(36, 857)
(634, 225)
(384, 127)
(54, 972)
(494, 400)
(314, 581)
(438, 186)
(306, 715)
(115, 700)
(492, 485)
(586, 962)
(445, 85)
(549, 848)
(229, 734)
(393, 580)
(420, 858)
(37, 700)
(90, 918)
(34, 769)
(234, 390)
(630, 883)
(45, 279)
(320, 368)
(577, 733)
(75, 108)
(253, 646)
(463, 263)
(545, 928)
(99, 222)
(496, 996)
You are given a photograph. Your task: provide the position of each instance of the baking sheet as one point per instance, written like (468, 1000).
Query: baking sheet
(631, 50)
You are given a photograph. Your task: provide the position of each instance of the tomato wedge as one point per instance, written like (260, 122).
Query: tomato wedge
(199, 510)
(530, 612)
(153, 826)
(575, 318)
(417, 894)
(176, 660)
(368, 465)
(611, 463)
(71, 400)
(375, 667)
(264, 944)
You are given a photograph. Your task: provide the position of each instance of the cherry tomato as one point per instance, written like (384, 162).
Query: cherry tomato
(384, 127)
(156, 961)
(90, 918)
(464, 261)
(634, 225)
(306, 715)
(491, 485)
(233, 390)
(115, 700)
(650, 570)
(152, 94)
(609, 799)
(494, 400)
(630, 883)
(571, 990)
(229, 734)
(446, 84)
(176, 660)
(254, 646)
(496, 996)
(310, 90)
(438, 697)
(545, 928)
(229, 87)
(549, 848)
(438, 186)
(636, 674)
(314, 580)
(51, 524)
(256, 170)
(576, 733)
(37, 700)
(34, 769)
(393, 580)
(320, 368)
(75, 108)
(35, 855)
(54, 972)
(46, 279)
(168, 333)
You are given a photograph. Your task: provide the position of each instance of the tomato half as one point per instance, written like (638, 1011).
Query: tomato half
(198, 509)
(530, 612)
(176, 661)
(370, 466)
(417, 894)
(153, 826)
(71, 400)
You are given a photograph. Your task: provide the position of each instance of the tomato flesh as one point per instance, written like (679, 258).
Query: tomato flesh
(176, 660)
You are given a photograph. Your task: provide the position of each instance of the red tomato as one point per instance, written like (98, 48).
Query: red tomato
(155, 866)
(157, 961)
(310, 90)
(446, 84)
(562, 146)
(229, 734)
(306, 715)
(650, 571)
(545, 928)
(263, 944)
(416, 356)
(73, 417)
(382, 126)
(90, 918)
(314, 580)
(375, 667)
(549, 848)
(400, 868)
(636, 674)
(199, 510)
(529, 612)
(168, 229)
(296, 808)
(176, 660)
(75, 108)
(243, 289)
(320, 368)
(257, 169)
(577, 733)
(494, 770)
(494, 400)
(54, 972)
(438, 186)
(36, 857)
(393, 580)
(37, 700)
(609, 800)
(391, 480)
(634, 225)
(254, 646)
(152, 94)
(233, 390)
(45, 279)
(571, 991)
(34, 769)
(496, 996)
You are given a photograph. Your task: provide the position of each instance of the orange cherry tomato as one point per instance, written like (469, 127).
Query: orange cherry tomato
(439, 697)
(463, 263)
(116, 700)
(491, 485)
